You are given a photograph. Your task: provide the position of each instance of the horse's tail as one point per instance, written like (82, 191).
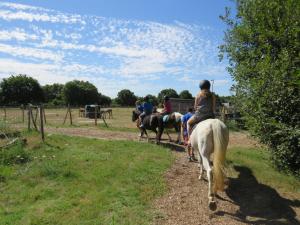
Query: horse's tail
(221, 137)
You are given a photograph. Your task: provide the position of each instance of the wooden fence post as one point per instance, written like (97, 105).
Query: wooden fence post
(36, 114)
(28, 112)
(44, 115)
(71, 121)
(23, 113)
(42, 122)
(33, 121)
(96, 111)
(4, 113)
(68, 112)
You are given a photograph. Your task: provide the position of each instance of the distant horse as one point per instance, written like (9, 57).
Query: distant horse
(107, 112)
(151, 122)
(173, 121)
(211, 136)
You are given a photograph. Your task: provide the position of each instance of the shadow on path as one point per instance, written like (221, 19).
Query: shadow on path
(258, 203)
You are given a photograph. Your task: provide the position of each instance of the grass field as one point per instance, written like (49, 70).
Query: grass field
(80, 181)
(258, 161)
(55, 117)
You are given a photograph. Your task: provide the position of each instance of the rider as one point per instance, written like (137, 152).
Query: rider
(147, 110)
(184, 120)
(139, 106)
(205, 105)
(184, 132)
(167, 106)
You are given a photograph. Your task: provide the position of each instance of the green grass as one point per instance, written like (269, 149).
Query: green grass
(72, 180)
(258, 160)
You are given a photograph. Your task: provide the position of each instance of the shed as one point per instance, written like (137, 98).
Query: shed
(181, 105)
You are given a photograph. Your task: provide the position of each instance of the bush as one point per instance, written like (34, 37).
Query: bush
(262, 44)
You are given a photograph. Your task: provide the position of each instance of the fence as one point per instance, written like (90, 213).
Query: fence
(37, 117)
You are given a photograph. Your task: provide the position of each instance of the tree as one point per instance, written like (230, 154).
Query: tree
(20, 89)
(152, 99)
(262, 44)
(126, 98)
(169, 92)
(185, 94)
(78, 93)
(53, 93)
(104, 100)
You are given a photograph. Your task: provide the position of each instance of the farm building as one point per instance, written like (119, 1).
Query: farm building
(181, 105)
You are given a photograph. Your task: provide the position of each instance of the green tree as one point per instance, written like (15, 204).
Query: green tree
(20, 89)
(79, 93)
(169, 92)
(152, 99)
(104, 100)
(262, 44)
(185, 94)
(126, 98)
(53, 93)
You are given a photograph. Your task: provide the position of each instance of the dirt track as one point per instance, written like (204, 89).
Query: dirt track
(245, 201)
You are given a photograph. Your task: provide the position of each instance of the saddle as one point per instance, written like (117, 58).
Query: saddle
(166, 118)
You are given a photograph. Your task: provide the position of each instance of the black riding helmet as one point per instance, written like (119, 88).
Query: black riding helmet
(166, 98)
(146, 99)
(204, 84)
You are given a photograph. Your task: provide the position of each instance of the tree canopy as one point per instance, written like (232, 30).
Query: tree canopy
(53, 93)
(79, 93)
(185, 94)
(104, 100)
(126, 98)
(152, 99)
(169, 92)
(20, 89)
(262, 44)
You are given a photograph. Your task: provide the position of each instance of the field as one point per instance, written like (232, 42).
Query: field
(106, 177)
(55, 117)
(81, 181)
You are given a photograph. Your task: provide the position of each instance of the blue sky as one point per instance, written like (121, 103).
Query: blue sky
(144, 46)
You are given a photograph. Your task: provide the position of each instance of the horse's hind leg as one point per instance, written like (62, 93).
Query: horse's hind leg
(200, 167)
(211, 195)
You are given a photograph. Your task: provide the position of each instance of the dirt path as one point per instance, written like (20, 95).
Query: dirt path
(236, 138)
(94, 133)
(245, 201)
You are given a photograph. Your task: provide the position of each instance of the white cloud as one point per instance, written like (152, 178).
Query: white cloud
(219, 83)
(30, 52)
(17, 34)
(39, 17)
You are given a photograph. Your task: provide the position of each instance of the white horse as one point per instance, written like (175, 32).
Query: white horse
(211, 136)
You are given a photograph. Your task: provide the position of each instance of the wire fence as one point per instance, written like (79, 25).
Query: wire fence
(59, 116)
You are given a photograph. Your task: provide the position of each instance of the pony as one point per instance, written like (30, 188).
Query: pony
(173, 121)
(151, 122)
(211, 136)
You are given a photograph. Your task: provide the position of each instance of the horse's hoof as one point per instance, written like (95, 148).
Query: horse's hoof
(212, 205)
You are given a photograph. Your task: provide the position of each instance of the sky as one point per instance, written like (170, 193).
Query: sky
(141, 45)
